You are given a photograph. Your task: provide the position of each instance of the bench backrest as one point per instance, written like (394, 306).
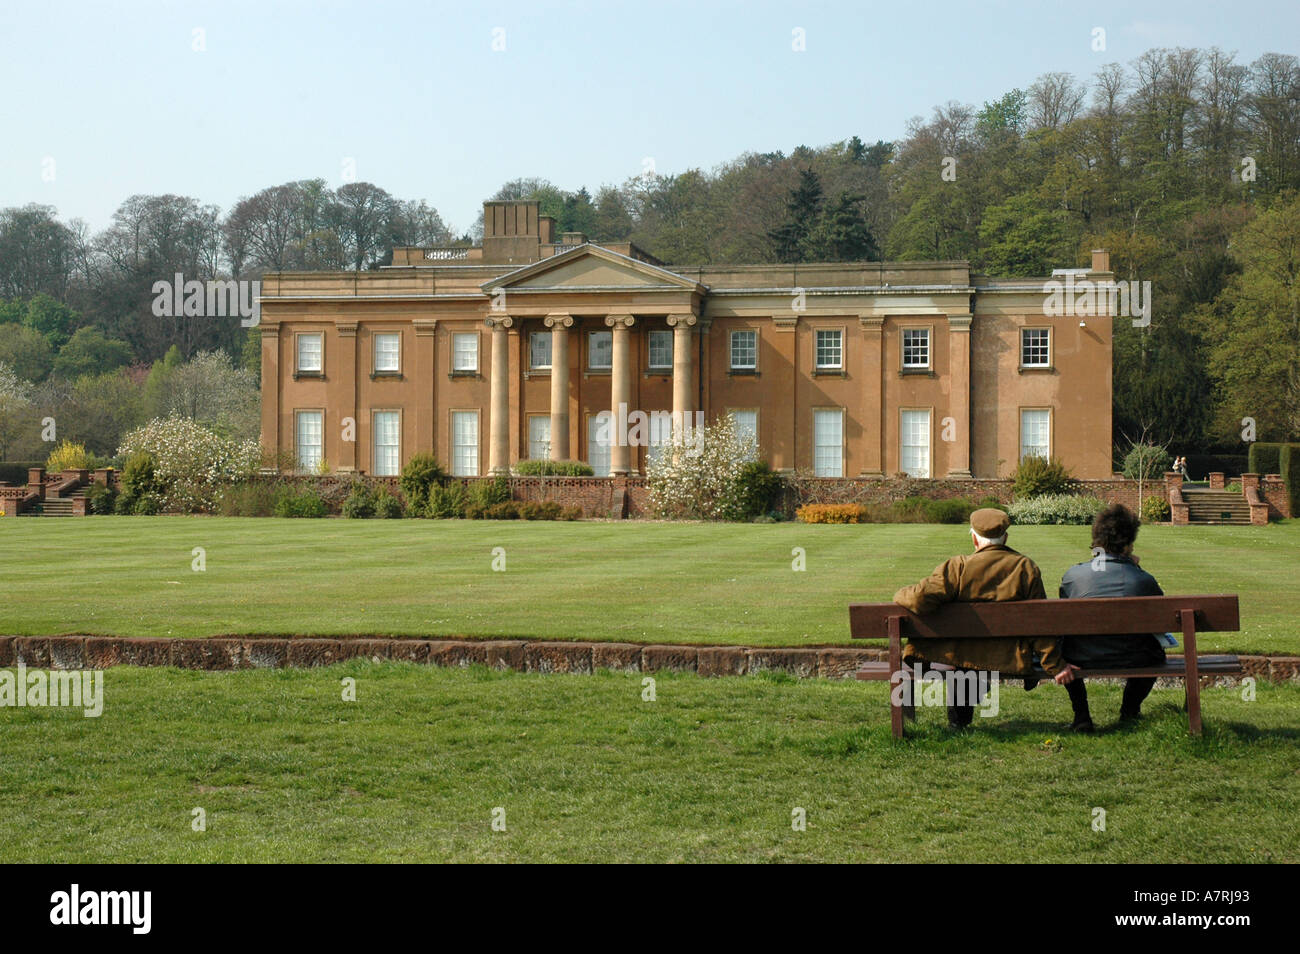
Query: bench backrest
(1112, 615)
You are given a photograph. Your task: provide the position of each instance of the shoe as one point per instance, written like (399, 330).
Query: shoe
(1030, 682)
(1130, 718)
(1083, 725)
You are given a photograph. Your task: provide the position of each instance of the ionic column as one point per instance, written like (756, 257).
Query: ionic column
(499, 412)
(559, 325)
(620, 392)
(959, 394)
(683, 392)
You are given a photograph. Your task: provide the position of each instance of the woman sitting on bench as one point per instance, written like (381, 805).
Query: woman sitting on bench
(1113, 571)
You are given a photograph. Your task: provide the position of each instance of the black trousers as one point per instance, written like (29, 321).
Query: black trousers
(1135, 692)
(959, 716)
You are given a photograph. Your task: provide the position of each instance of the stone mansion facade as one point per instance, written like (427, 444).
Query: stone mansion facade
(523, 348)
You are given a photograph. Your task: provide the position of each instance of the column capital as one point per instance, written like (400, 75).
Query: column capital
(619, 321)
(270, 329)
(786, 323)
(499, 321)
(425, 326)
(686, 321)
(960, 322)
(871, 322)
(559, 320)
(346, 329)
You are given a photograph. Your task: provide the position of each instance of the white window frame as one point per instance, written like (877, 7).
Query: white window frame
(817, 349)
(376, 469)
(731, 349)
(820, 461)
(533, 338)
(308, 467)
(1047, 360)
(733, 413)
(298, 339)
(457, 355)
(376, 352)
(903, 413)
(461, 464)
(1047, 411)
(929, 348)
(539, 449)
(658, 334)
(605, 458)
(659, 435)
(591, 350)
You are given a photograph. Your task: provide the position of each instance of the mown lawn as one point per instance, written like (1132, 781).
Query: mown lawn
(634, 581)
(586, 770)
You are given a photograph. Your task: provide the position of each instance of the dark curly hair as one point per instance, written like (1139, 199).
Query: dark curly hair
(1115, 528)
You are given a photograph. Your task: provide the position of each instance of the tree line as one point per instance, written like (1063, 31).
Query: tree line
(1185, 163)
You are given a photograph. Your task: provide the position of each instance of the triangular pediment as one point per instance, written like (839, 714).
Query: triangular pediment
(591, 267)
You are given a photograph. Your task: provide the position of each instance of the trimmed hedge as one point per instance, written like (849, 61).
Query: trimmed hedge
(553, 468)
(1284, 459)
(14, 472)
(1265, 458)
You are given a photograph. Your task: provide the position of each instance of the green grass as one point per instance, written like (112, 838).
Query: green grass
(588, 771)
(634, 581)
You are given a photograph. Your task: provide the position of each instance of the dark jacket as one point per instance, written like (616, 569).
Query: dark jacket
(995, 573)
(1110, 575)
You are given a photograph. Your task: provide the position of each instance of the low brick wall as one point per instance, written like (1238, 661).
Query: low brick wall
(234, 653)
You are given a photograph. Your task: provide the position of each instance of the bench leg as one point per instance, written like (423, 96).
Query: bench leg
(895, 678)
(1193, 677)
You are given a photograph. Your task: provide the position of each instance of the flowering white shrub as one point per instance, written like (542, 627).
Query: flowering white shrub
(1055, 508)
(191, 462)
(697, 477)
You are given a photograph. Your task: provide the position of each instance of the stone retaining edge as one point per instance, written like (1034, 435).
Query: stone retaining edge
(221, 653)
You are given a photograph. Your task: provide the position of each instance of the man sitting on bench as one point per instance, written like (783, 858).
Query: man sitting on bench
(993, 572)
(1113, 571)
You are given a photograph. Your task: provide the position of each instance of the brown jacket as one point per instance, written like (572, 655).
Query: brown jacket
(994, 573)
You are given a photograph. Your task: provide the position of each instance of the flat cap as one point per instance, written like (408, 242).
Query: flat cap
(989, 523)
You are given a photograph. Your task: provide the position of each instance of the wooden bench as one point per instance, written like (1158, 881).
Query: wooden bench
(1108, 616)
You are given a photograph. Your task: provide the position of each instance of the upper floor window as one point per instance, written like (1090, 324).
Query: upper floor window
(916, 347)
(388, 353)
(1035, 347)
(744, 350)
(539, 350)
(311, 350)
(464, 352)
(830, 349)
(600, 350)
(661, 349)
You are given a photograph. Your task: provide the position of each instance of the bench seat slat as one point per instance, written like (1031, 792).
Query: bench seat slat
(1175, 666)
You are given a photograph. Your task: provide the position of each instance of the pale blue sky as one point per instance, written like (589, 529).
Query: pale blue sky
(414, 93)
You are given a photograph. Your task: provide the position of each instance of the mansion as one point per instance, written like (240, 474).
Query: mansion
(522, 348)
